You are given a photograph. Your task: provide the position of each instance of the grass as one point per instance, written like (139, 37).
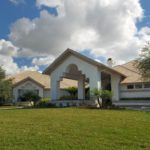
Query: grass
(8, 107)
(74, 128)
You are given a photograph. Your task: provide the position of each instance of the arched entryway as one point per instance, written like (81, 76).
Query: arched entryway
(73, 68)
(73, 64)
(72, 72)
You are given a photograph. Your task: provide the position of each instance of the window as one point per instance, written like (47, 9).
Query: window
(130, 86)
(138, 86)
(147, 85)
(36, 92)
(20, 92)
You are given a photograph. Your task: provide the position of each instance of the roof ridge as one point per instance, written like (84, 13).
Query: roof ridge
(81, 56)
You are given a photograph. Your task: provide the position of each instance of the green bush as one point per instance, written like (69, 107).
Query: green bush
(44, 102)
(30, 96)
(105, 95)
(87, 93)
(68, 97)
(72, 91)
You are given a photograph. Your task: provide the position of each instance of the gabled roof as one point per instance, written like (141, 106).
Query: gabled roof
(28, 79)
(129, 69)
(40, 79)
(69, 52)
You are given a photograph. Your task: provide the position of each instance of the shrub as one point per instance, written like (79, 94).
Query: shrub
(72, 91)
(44, 102)
(30, 96)
(87, 93)
(68, 97)
(106, 98)
(105, 95)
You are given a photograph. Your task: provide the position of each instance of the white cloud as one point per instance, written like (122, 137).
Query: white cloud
(7, 63)
(7, 48)
(32, 68)
(43, 60)
(107, 27)
(17, 2)
(48, 3)
(7, 52)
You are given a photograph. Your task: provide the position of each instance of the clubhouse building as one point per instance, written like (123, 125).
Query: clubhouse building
(72, 69)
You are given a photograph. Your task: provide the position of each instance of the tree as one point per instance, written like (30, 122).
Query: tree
(143, 63)
(72, 91)
(5, 88)
(102, 96)
(30, 96)
(2, 74)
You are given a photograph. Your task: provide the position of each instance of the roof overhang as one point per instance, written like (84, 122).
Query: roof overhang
(28, 79)
(69, 52)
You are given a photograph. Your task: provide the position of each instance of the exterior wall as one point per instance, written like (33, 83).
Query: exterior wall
(133, 93)
(115, 88)
(27, 85)
(89, 70)
(46, 93)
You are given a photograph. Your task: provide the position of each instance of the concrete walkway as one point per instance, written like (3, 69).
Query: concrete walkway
(134, 104)
(147, 109)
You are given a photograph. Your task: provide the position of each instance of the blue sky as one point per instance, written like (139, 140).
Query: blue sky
(10, 12)
(146, 20)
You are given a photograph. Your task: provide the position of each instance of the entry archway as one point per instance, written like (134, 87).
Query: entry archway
(72, 72)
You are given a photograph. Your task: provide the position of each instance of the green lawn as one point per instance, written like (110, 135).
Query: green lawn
(74, 128)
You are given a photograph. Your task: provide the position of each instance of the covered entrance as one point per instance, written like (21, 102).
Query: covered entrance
(85, 71)
(72, 72)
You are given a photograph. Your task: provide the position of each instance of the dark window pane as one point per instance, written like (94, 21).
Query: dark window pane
(130, 86)
(36, 92)
(138, 86)
(147, 85)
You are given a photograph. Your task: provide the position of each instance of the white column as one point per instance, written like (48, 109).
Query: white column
(81, 88)
(115, 83)
(95, 80)
(54, 89)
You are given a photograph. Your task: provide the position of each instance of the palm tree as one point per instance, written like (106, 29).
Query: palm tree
(101, 96)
